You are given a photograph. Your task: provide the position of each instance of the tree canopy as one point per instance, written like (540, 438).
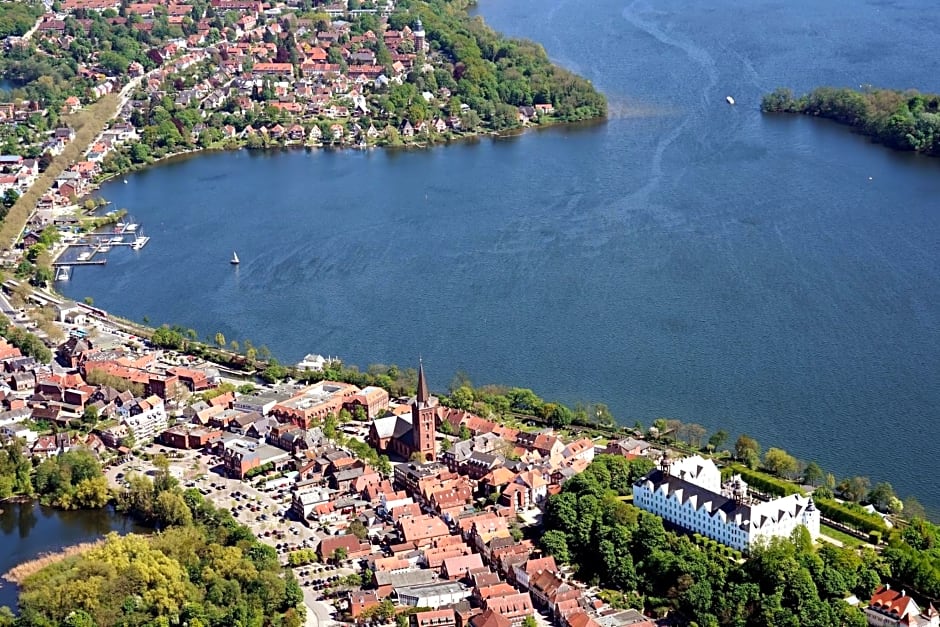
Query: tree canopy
(617, 546)
(904, 120)
(207, 571)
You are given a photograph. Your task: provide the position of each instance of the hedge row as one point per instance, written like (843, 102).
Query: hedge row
(765, 483)
(860, 521)
(716, 547)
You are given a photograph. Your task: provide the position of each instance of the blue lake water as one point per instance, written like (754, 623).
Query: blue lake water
(688, 259)
(29, 530)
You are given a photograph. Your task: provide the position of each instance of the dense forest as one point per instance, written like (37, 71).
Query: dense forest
(901, 120)
(202, 569)
(630, 554)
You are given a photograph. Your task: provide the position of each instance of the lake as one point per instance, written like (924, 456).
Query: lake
(687, 259)
(29, 530)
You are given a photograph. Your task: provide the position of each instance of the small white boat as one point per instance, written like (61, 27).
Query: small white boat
(730, 100)
(234, 260)
(125, 181)
(140, 242)
(62, 274)
(84, 256)
(132, 227)
(117, 240)
(103, 248)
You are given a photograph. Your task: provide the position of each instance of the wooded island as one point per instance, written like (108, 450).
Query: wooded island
(903, 120)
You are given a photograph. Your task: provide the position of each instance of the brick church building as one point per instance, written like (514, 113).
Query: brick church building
(403, 436)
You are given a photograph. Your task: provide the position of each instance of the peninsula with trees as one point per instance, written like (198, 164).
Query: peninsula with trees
(902, 120)
(193, 74)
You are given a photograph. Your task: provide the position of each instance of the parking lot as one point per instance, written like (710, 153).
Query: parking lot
(264, 512)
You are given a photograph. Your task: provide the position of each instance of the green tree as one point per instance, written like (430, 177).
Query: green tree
(747, 450)
(358, 529)
(339, 555)
(462, 398)
(90, 417)
(10, 197)
(171, 510)
(881, 495)
(854, 488)
(813, 475)
(718, 439)
(780, 463)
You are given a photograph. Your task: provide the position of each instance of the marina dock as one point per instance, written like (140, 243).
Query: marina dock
(99, 244)
(92, 262)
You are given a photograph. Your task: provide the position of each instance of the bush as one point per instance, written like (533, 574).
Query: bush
(853, 517)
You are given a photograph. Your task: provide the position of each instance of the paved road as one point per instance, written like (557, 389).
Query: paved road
(318, 612)
(29, 34)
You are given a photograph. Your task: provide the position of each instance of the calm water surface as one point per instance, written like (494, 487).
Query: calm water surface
(28, 530)
(688, 259)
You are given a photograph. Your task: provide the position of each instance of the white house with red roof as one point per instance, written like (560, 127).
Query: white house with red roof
(888, 608)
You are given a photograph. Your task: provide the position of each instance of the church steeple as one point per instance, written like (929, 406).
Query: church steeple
(423, 394)
(424, 419)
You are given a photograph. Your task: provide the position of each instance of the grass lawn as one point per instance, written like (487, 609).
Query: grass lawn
(841, 536)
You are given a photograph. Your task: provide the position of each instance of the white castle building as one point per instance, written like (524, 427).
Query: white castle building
(688, 493)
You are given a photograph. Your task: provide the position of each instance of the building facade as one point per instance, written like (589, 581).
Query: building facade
(688, 493)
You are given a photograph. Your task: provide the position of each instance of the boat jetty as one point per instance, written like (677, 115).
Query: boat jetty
(90, 248)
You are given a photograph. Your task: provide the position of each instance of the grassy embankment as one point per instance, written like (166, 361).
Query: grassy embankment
(87, 124)
(21, 571)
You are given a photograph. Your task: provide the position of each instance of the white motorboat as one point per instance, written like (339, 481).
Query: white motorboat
(730, 100)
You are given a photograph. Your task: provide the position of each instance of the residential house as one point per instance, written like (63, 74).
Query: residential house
(422, 530)
(630, 448)
(353, 546)
(461, 566)
(362, 600)
(489, 618)
(189, 436)
(434, 618)
(524, 571)
(891, 608)
(513, 607)
(51, 445)
(145, 417)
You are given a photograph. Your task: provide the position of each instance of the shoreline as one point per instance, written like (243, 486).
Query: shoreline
(21, 571)
(241, 145)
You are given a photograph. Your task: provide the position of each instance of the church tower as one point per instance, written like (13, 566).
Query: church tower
(423, 419)
(420, 36)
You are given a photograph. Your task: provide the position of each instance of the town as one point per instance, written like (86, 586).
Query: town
(385, 503)
(125, 84)
(382, 506)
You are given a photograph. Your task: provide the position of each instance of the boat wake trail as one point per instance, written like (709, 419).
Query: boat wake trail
(709, 70)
